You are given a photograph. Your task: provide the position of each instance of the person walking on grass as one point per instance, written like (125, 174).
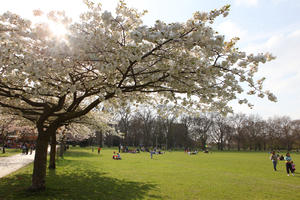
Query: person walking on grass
(151, 153)
(31, 148)
(288, 164)
(99, 150)
(274, 160)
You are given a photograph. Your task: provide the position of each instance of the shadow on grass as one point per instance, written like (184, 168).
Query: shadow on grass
(78, 153)
(80, 183)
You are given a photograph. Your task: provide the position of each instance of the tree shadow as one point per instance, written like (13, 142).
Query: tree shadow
(78, 153)
(77, 184)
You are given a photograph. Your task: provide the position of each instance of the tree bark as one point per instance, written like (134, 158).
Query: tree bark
(40, 162)
(3, 145)
(52, 152)
(62, 147)
(166, 143)
(101, 139)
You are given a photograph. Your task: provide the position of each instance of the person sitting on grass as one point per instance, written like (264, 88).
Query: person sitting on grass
(160, 152)
(193, 153)
(118, 156)
(281, 157)
(114, 155)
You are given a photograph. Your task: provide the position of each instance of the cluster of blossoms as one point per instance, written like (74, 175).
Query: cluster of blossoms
(117, 56)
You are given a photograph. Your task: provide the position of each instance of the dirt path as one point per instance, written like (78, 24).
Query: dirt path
(13, 163)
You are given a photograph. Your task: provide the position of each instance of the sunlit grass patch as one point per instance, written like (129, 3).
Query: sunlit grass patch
(84, 174)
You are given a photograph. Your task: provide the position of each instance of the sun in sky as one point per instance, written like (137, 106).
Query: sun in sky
(54, 21)
(57, 29)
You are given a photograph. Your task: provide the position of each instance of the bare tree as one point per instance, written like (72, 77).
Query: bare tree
(200, 127)
(124, 116)
(237, 121)
(5, 122)
(220, 129)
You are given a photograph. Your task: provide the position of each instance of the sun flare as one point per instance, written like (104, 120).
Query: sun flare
(57, 29)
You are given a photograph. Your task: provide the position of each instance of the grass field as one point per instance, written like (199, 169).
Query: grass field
(174, 175)
(9, 152)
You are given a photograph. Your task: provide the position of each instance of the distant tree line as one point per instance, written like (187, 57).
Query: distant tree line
(145, 127)
(207, 130)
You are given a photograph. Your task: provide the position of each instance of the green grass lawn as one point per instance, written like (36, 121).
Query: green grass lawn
(10, 152)
(174, 175)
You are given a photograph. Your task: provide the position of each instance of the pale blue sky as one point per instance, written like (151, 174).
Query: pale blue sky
(262, 25)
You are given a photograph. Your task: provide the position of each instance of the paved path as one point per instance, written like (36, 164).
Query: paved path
(13, 163)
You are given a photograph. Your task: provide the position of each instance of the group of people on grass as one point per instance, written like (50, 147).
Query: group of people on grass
(194, 152)
(116, 156)
(289, 164)
(125, 149)
(155, 151)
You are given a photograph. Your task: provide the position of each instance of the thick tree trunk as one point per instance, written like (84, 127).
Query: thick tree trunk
(101, 139)
(221, 145)
(52, 152)
(61, 151)
(3, 146)
(3, 143)
(62, 147)
(40, 162)
(167, 144)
